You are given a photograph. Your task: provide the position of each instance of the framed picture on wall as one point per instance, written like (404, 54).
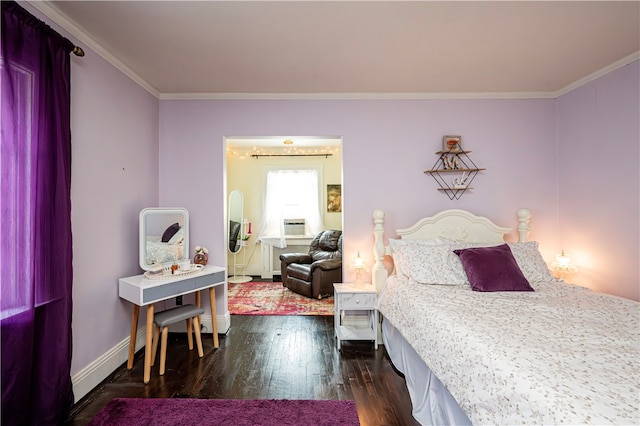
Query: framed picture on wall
(334, 198)
(451, 143)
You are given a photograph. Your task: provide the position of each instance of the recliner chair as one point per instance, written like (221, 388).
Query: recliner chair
(313, 274)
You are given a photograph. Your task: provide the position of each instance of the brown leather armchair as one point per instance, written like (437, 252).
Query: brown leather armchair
(313, 274)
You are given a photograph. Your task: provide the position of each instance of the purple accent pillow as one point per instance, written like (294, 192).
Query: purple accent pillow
(170, 232)
(492, 269)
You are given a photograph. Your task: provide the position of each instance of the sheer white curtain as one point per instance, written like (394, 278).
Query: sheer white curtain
(290, 194)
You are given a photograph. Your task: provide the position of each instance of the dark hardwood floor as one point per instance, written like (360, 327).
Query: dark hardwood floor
(267, 357)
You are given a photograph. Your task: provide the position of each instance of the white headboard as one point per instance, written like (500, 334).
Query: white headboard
(453, 224)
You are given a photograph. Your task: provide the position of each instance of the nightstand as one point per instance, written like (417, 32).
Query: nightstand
(362, 323)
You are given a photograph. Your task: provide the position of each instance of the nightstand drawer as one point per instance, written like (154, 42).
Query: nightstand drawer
(358, 301)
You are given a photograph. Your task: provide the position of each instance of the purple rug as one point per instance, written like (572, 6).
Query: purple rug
(232, 412)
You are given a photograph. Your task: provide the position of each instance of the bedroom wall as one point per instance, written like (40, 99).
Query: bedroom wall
(114, 125)
(387, 145)
(599, 182)
(114, 175)
(247, 175)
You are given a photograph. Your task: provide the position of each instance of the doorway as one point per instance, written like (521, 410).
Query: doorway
(248, 160)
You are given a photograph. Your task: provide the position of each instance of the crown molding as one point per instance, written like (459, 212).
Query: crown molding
(66, 24)
(354, 96)
(601, 72)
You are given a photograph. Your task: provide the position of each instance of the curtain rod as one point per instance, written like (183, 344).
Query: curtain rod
(77, 50)
(291, 155)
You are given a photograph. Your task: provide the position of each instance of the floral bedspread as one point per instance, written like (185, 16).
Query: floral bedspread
(159, 252)
(560, 355)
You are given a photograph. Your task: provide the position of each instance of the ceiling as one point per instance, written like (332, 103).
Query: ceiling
(352, 49)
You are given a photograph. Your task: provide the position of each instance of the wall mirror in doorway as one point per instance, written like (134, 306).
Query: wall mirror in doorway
(236, 233)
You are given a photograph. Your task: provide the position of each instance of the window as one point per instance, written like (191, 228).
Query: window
(290, 194)
(17, 171)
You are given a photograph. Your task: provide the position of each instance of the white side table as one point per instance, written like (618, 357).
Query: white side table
(355, 297)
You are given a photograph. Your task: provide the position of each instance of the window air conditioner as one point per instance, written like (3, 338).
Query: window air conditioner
(294, 226)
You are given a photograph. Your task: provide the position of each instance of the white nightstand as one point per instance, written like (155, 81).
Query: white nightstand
(356, 297)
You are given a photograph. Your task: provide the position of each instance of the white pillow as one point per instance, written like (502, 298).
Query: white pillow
(396, 243)
(399, 260)
(432, 264)
(433, 261)
(531, 262)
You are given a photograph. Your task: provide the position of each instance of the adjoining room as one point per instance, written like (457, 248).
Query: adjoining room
(289, 179)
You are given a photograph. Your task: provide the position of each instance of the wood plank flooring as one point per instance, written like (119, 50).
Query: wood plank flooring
(267, 357)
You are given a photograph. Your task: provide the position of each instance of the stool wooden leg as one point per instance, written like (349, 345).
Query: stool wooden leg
(163, 349)
(196, 325)
(189, 334)
(154, 347)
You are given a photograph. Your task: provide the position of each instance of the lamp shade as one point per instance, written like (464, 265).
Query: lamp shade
(358, 266)
(563, 264)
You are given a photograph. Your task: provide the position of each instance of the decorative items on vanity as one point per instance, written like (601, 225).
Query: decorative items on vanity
(201, 256)
(162, 273)
(453, 161)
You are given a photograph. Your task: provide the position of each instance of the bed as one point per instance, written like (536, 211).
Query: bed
(556, 353)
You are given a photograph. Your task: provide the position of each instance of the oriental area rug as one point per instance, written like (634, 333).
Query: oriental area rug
(272, 298)
(231, 412)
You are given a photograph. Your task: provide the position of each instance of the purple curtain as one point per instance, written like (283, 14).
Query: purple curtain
(35, 245)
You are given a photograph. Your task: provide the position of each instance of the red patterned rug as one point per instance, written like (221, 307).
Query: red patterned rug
(272, 298)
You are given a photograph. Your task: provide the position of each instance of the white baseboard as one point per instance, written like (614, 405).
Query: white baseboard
(93, 374)
(224, 323)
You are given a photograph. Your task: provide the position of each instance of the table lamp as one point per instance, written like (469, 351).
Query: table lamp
(563, 265)
(358, 266)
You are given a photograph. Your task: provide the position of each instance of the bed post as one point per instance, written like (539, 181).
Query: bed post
(379, 272)
(524, 216)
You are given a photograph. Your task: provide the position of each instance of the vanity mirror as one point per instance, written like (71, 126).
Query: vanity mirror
(164, 236)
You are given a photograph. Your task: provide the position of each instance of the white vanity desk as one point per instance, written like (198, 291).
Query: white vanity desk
(145, 292)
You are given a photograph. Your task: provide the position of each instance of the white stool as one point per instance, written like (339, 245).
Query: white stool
(164, 319)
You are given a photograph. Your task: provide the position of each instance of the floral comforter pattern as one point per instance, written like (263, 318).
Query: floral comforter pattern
(560, 355)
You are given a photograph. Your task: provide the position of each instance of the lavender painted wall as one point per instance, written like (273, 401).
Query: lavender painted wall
(114, 126)
(114, 175)
(599, 182)
(387, 146)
